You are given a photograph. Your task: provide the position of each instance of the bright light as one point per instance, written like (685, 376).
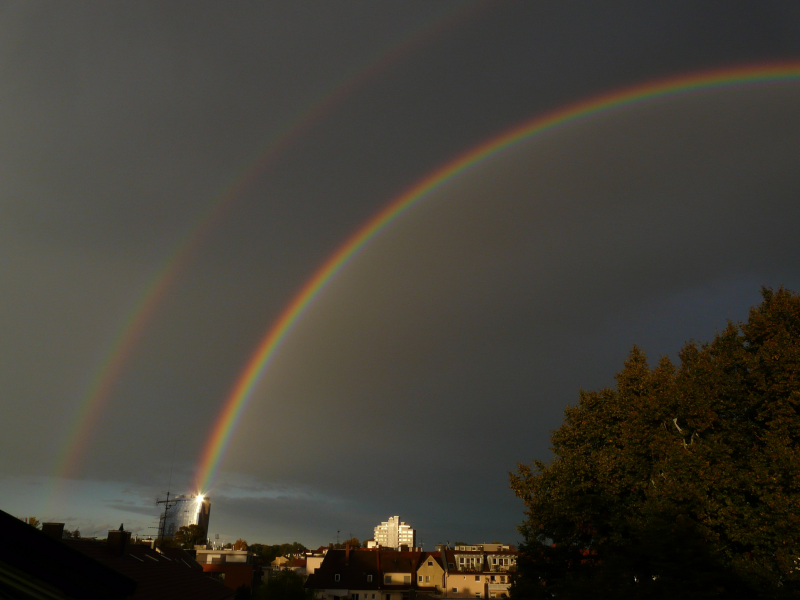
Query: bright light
(199, 498)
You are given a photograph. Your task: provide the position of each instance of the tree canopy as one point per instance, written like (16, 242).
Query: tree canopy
(189, 536)
(283, 585)
(680, 482)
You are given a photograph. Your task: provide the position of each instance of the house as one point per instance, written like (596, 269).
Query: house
(35, 565)
(234, 568)
(365, 575)
(430, 573)
(160, 573)
(479, 574)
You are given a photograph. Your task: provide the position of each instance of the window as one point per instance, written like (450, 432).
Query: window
(406, 578)
(494, 561)
(450, 566)
(430, 563)
(477, 594)
(502, 578)
(455, 590)
(369, 578)
(492, 579)
(336, 577)
(427, 578)
(461, 560)
(419, 578)
(388, 597)
(477, 577)
(387, 579)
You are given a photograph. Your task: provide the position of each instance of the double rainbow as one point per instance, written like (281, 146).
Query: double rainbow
(108, 372)
(259, 361)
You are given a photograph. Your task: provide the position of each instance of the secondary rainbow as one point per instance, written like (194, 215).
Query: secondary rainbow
(110, 368)
(242, 391)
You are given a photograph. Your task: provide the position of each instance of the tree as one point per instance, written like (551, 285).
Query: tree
(189, 536)
(240, 544)
(32, 521)
(284, 585)
(680, 482)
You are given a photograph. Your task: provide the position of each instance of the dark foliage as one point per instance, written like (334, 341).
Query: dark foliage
(188, 536)
(680, 482)
(283, 585)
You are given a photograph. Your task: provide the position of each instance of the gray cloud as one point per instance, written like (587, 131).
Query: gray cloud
(448, 348)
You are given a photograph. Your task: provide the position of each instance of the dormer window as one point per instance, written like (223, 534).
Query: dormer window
(430, 563)
(336, 577)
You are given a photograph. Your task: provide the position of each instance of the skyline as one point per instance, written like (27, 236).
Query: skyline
(438, 316)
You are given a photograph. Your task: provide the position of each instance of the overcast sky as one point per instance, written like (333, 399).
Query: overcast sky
(446, 351)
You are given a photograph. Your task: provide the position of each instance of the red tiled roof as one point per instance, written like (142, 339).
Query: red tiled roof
(167, 575)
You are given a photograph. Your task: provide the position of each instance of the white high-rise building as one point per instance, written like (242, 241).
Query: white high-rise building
(394, 533)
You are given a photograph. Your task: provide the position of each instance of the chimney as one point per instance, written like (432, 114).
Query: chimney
(118, 542)
(347, 554)
(54, 530)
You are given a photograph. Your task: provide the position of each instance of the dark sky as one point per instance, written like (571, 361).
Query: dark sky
(446, 351)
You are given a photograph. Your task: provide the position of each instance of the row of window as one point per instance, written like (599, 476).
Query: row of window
(387, 579)
(471, 560)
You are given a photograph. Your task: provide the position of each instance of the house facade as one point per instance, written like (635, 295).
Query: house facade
(373, 574)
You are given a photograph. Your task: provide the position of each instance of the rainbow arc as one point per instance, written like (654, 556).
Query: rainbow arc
(259, 361)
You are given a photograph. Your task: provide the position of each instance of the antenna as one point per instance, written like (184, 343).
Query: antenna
(337, 536)
(163, 525)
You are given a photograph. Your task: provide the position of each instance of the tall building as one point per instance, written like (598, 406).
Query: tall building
(186, 510)
(394, 533)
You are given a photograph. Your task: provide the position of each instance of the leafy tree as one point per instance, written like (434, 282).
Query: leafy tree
(268, 553)
(189, 536)
(284, 585)
(240, 544)
(32, 521)
(680, 482)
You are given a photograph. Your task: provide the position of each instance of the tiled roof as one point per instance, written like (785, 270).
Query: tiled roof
(167, 575)
(34, 558)
(425, 556)
(353, 572)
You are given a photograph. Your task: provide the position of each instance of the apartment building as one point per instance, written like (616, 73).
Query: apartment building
(395, 534)
(375, 574)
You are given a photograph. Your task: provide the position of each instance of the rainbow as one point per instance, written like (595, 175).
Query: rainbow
(107, 373)
(242, 391)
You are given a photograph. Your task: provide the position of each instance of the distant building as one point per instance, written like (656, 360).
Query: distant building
(234, 568)
(395, 534)
(484, 547)
(397, 575)
(185, 510)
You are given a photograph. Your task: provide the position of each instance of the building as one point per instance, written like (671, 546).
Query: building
(159, 573)
(395, 534)
(185, 510)
(234, 568)
(478, 574)
(399, 575)
(485, 547)
(365, 575)
(38, 566)
(430, 573)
